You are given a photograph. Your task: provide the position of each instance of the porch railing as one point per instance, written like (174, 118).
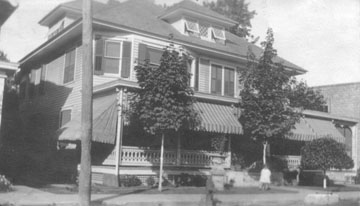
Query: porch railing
(293, 162)
(135, 156)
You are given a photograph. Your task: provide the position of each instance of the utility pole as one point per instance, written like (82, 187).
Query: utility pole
(86, 105)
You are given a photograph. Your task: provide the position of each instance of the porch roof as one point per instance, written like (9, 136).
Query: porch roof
(218, 118)
(309, 128)
(104, 122)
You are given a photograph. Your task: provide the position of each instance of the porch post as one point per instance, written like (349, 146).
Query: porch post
(178, 151)
(118, 131)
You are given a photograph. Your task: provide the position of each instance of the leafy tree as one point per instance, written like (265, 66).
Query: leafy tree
(236, 10)
(304, 97)
(323, 154)
(164, 101)
(266, 111)
(3, 57)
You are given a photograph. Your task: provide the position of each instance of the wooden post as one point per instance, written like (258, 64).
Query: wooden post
(86, 105)
(161, 161)
(178, 150)
(264, 152)
(118, 133)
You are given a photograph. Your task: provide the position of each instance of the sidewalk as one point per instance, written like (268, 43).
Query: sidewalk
(23, 195)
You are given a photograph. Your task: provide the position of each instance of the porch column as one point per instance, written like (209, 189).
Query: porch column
(178, 150)
(118, 132)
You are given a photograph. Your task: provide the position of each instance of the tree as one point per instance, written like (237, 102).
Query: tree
(164, 101)
(3, 57)
(323, 154)
(236, 10)
(264, 97)
(304, 97)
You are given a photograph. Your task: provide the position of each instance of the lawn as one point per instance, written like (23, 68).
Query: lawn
(333, 188)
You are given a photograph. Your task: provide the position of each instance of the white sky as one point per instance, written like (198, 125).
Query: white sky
(321, 36)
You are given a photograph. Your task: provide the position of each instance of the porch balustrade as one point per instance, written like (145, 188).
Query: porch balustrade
(293, 162)
(135, 156)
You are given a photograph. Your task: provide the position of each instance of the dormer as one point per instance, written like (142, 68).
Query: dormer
(192, 19)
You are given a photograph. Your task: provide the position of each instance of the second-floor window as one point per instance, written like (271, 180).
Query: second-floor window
(149, 53)
(222, 80)
(113, 57)
(69, 69)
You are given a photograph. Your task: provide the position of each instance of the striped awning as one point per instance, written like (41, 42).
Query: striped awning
(104, 122)
(218, 118)
(310, 128)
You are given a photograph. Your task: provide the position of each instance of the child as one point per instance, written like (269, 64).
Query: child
(265, 178)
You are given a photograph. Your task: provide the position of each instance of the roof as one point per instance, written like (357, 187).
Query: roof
(197, 9)
(7, 7)
(146, 20)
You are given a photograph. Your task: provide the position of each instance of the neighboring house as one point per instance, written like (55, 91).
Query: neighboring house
(7, 69)
(126, 34)
(344, 100)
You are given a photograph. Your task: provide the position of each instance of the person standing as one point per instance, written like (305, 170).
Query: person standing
(265, 181)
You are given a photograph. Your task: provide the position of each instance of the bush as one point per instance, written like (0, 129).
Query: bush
(150, 181)
(357, 178)
(130, 181)
(5, 184)
(191, 180)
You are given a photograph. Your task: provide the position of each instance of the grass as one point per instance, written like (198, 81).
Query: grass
(333, 188)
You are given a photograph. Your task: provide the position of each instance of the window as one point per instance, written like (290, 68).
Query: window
(222, 80)
(112, 57)
(229, 84)
(151, 54)
(191, 26)
(69, 70)
(218, 33)
(65, 117)
(216, 77)
(204, 31)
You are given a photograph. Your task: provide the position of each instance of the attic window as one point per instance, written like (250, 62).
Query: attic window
(191, 26)
(218, 33)
(204, 31)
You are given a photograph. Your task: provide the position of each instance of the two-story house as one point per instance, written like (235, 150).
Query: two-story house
(126, 34)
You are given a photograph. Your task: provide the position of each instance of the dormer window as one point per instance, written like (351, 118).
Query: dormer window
(218, 33)
(204, 31)
(191, 26)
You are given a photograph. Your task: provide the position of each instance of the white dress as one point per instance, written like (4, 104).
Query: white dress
(265, 176)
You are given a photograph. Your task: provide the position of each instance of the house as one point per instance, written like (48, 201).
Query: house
(126, 34)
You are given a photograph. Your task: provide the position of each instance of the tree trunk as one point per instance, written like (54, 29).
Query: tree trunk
(324, 180)
(86, 113)
(264, 152)
(161, 162)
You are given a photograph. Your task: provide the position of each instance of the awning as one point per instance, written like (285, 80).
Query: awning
(104, 122)
(218, 118)
(310, 128)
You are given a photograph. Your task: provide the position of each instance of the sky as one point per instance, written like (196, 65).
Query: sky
(321, 36)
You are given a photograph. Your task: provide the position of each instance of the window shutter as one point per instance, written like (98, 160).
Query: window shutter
(143, 54)
(126, 60)
(99, 51)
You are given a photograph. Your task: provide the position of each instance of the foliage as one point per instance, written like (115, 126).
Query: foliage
(5, 184)
(185, 179)
(130, 181)
(357, 177)
(238, 160)
(266, 110)
(3, 57)
(325, 153)
(304, 97)
(150, 181)
(218, 143)
(165, 100)
(236, 10)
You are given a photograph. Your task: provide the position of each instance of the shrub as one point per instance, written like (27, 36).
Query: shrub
(5, 184)
(130, 181)
(357, 178)
(150, 181)
(191, 180)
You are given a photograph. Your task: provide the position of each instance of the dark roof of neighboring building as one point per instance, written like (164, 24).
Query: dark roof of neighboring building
(189, 5)
(143, 16)
(7, 7)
